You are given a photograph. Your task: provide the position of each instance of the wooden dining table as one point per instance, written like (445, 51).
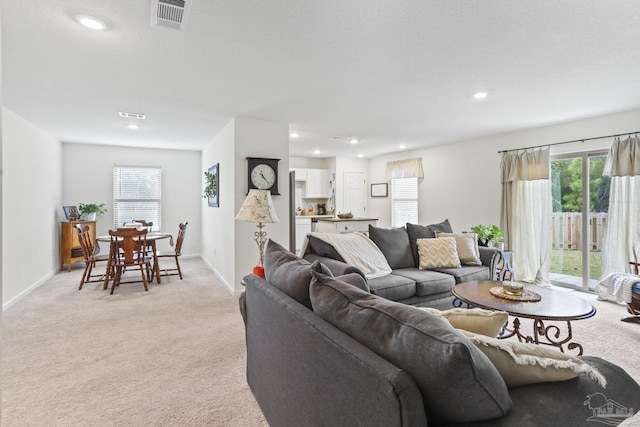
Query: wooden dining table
(152, 238)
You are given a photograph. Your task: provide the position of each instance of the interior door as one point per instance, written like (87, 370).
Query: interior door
(355, 193)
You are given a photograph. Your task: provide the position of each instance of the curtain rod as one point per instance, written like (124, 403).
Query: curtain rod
(567, 142)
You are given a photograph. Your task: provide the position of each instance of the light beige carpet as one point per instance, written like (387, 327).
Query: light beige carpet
(173, 356)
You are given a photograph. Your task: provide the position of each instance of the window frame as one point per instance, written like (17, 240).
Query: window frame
(404, 185)
(153, 175)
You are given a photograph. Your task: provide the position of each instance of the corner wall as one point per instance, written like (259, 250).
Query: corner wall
(31, 187)
(462, 180)
(229, 246)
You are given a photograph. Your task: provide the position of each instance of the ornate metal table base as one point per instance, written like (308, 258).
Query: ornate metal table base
(543, 334)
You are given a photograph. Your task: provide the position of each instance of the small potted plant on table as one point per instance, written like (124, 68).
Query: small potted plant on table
(89, 211)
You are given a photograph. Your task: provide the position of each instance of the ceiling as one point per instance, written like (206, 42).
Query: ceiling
(385, 72)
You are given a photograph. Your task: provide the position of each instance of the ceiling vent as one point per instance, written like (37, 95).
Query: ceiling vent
(170, 13)
(132, 115)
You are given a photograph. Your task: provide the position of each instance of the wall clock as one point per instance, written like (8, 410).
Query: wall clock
(263, 174)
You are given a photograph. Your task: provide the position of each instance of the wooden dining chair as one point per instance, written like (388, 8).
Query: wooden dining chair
(182, 229)
(90, 257)
(128, 248)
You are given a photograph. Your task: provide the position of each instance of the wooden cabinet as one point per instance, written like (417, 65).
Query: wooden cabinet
(317, 184)
(70, 250)
(345, 226)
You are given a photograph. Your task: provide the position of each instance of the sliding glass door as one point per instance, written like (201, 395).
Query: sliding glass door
(580, 199)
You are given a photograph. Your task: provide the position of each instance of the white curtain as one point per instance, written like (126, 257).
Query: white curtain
(623, 219)
(409, 168)
(526, 213)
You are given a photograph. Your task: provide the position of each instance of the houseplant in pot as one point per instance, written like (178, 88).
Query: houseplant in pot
(488, 235)
(89, 211)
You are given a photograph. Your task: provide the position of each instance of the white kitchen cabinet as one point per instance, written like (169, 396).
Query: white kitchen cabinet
(345, 225)
(303, 227)
(317, 186)
(301, 174)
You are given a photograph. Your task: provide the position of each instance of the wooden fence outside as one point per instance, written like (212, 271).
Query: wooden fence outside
(567, 230)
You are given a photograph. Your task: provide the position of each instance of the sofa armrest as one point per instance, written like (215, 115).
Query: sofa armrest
(490, 257)
(304, 371)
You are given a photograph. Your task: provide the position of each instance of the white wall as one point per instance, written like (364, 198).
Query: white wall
(462, 180)
(228, 245)
(31, 196)
(218, 225)
(259, 138)
(88, 178)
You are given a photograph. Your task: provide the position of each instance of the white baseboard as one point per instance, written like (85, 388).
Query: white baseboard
(218, 276)
(24, 293)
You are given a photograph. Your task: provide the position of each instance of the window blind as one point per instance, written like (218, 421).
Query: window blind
(137, 194)
(404, 201)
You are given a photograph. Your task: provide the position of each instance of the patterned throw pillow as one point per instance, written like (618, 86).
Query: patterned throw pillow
(438, 253)
(466, 245)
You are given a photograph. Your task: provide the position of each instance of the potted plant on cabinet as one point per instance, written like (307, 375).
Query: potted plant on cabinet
(89, 211)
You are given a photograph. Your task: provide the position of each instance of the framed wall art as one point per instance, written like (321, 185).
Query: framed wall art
(212, 186)
(380, 190)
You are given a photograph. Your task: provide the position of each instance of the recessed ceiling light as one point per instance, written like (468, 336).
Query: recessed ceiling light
(294, 134)
(133, 126)
(480, 95)
(316, 151)
(402, 146)
(360, 155)
(353, 141)
(91, 22)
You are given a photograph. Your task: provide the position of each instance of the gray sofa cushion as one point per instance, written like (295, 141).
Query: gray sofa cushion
(394, 244)
(417, 231)
(427, 281)
(351, 278)
(458, 383)
(289, 273)
(467, 273)
(323, 248)
(392, 287)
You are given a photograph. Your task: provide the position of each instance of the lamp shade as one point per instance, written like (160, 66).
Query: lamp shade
(258, 207)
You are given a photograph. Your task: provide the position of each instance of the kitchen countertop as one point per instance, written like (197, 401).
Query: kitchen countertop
(336, 219)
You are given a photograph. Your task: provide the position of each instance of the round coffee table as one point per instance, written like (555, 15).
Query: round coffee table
(553, 306)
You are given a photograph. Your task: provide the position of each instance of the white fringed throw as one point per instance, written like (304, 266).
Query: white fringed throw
(359, 251)
(616, 287)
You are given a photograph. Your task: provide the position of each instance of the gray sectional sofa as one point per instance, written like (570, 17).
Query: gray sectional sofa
(407, 283)
(321, 352)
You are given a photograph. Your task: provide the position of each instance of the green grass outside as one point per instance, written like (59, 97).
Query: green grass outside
(569, 262)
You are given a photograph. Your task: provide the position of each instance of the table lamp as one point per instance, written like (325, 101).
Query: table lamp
(258, 207)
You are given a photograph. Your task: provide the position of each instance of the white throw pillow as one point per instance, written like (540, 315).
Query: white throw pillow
(524, 363)
(477, 320)
(466, 245)
(438, 253)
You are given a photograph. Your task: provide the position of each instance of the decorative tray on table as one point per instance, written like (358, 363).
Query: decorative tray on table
(526, 295)
(347, 215)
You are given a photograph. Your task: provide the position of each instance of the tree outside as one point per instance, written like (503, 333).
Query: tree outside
(566, 188)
